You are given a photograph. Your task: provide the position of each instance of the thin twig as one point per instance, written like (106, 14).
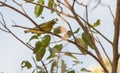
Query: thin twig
(96, 5)
(86, 7)
(21, 27)
(35, 64)
(16, 3)
(73, 4)
(4, 25)
(61, 9)
(22, 42)
(91, 39)
(30, 45)
(4, 30)
(56, 41)
(20, 6)
(61, 3)
(104, 51)
(80, 3)
(96, 30)
(111, 11)
(72, 53)
(44, 66)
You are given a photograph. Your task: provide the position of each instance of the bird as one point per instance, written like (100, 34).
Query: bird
(45, 27)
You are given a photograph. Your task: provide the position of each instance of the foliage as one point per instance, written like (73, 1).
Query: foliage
(42, 45)
(50, 41)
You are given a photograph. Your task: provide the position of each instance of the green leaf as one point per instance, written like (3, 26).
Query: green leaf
(40, 53)
(38, 44)
(57, 48)
(71, 71)
(52, 67)
(52, 53)
(63, 67)
(83, 44)
(39, 9)
(85, 39)
(77, 31)
(26, 64)
(41, 72)
(97, 23)
(50, 4)
(40, 47)
(45, 41)
(34, 37)
(70, 55)
(57, 30)
(85, 70)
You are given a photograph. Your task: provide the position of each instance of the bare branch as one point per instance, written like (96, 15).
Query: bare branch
(73, 4)
(4, 30)
(41, 29)
(35, 63)
(86, 7)
(20, 6)
(72, 53)
(111, 11)
(104, 51)
(4, 24)
(91, 39)
(98, 3)
(21, 27)
(8, 30)
(81, 4)
(116, 38)
(44, 66)
(16, 3)
(75, 43)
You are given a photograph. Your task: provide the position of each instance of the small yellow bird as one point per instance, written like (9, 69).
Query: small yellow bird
(47, 26)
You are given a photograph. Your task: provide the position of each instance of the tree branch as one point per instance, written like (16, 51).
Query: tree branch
(116, 38)
(104, 51)
(75, 43)
(9, 31)
(91, 39)
(59, 12)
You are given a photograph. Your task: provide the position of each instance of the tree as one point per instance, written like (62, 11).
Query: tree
(84, 37)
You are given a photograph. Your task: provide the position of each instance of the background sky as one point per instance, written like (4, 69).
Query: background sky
(12, 52)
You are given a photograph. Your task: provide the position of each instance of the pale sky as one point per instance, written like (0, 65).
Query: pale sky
(12, 52)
